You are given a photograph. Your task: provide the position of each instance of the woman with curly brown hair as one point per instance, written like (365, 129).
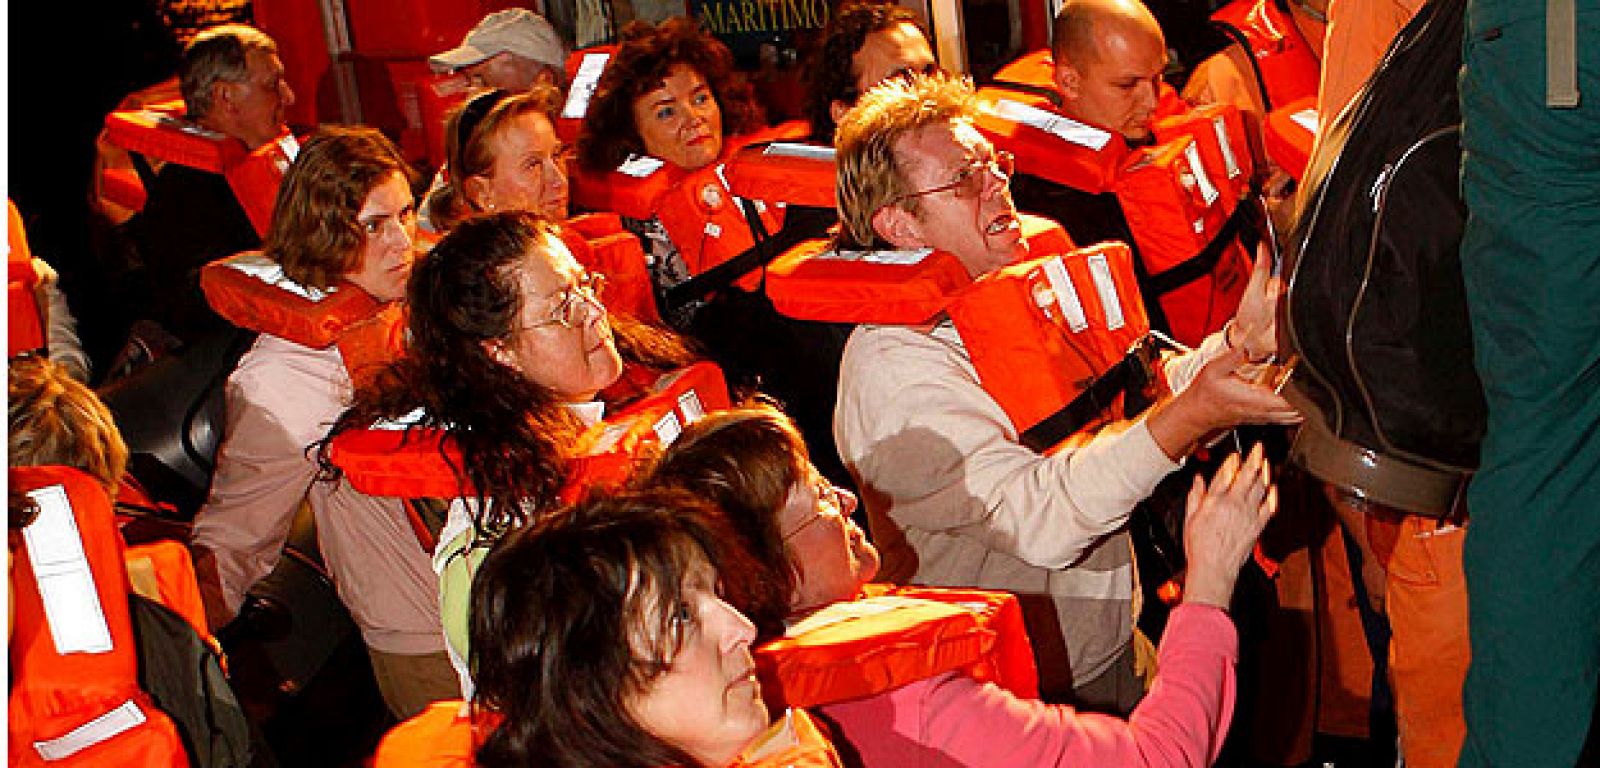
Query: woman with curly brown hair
(509, 350)
(670, 94)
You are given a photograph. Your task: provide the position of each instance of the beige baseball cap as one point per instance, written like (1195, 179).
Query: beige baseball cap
(515, 30)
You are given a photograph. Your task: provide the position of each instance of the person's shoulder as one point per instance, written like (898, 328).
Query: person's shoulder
(274, 362)
(887, 361)
(879, 345)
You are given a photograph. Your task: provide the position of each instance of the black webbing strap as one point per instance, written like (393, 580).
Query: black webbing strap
(766, 248)
(1240, 39)
(1129, 376)
(1200, 264)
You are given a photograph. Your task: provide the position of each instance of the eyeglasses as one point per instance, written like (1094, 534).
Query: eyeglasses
(970, 180)
(573, 302)
(833, 501)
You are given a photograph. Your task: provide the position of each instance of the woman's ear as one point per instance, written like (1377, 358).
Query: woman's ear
(497, 351)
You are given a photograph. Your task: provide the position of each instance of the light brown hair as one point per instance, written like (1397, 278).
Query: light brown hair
(315, 234)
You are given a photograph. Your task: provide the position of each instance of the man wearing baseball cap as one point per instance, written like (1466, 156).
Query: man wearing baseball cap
(511, 49)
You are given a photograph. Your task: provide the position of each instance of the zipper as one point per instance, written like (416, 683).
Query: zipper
(1357, 108)
(1379, 192)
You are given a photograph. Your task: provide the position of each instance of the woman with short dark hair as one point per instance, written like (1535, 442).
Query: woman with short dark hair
(600, 637)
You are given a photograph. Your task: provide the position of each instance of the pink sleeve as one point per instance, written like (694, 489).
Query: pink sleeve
(954, 720)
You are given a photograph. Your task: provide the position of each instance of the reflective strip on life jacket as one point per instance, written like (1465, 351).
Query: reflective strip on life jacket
(251, 291)
(1289, 70)
(1041, 331)
(583, 75)
(1218, 132)
(893, 636)
(75, 696)
(816, 281)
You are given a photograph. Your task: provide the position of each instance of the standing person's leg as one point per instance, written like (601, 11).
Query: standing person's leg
(1428, 651)
(1531, 263)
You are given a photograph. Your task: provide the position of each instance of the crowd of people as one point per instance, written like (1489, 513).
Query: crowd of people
(596, 488)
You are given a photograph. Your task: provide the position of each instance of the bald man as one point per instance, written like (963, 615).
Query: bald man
(1109, 58)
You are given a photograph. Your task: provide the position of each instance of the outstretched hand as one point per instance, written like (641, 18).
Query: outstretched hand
(1223, 521)
(1254, 329)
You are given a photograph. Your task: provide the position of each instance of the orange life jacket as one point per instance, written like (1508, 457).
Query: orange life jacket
(707, 223)
(163, 571)
(600, 243)
(1289, 133)
(1034, 74)
(394, 459)
(75, 696)
(817, 281)
(1050, 338)
(25, 313)
(789, 172)
(1288, 65)
(1288, 71)
(250, 290)
(446, 735)
(893, 636)
(161, 133)
(1071, 319)
(1180, 197)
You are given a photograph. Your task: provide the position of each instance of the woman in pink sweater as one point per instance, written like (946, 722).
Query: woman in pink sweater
(807, 553)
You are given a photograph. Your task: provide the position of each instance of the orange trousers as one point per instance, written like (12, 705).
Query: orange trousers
(1428, 652)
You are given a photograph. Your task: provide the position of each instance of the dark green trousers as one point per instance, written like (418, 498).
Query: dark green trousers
(1531, 260)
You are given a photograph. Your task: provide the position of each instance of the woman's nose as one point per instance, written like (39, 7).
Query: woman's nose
(738, 631)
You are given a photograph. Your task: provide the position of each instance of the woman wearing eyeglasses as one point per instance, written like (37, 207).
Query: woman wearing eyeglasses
(510, 348)
(809, 558)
